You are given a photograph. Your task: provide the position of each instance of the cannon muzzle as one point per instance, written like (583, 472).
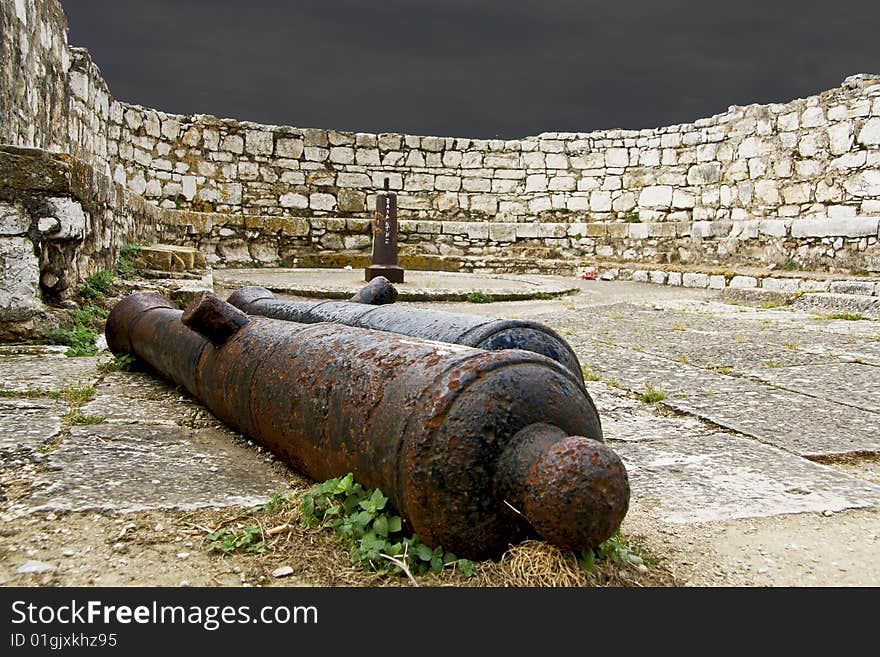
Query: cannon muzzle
(475, 449)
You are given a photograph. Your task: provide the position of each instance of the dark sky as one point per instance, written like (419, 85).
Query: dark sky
(499, 68)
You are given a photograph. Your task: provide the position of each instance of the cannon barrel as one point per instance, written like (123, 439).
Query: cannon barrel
(475, 449)
(454, 328)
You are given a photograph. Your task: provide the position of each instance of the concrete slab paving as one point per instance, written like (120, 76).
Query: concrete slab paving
(134, 468)
(48, 370)
(735, 438)
(639, 371)
(851, 384)
(147, 399)
(723, 477)
(29, 424)
(803, 425)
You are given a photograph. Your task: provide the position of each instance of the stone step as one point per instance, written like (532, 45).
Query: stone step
(170, 258)
(718, 278)
(826, 303)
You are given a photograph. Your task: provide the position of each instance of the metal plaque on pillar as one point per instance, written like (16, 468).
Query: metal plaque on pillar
(384, 262)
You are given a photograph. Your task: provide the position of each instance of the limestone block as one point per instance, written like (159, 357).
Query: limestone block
(744, 230)
(210, 138)
(170, 128)
(551, 230)
(536, 183)
(367, 157)
(485, 203)
(767, 192)
(316, 154)
(13, 222)
(864, 183)
(502, 232)
(448, 183)
(794, 194)
(501, 186)
(428, 227)
(72, 221)
(390, 142)
(165, 257)
(470, 160)
(454, 227)
(640, 276)
(717, 282)
(562, 184)
(152, 126)
(415, 159)
(638, 231)
(840, 137)
(742, 282)
(534, 160)
(526, 231)
(419, 182)
(476, 184)
(551, 146)
(649, 157)
(780, 284)
(812, 144)
(342, 155)
(600, 201)
(658, 277)
(452, 159)
(617, 230)
(617, 157)
(588, 161)
(661, 229)
(350, 200)
(682, 199)
(287, 147)
(813, 117)
(624, 202)
(557, 161)
(704, 174)
(674, 279)
(828, 227)
(357, 242)
(869, 135)
(656, 196)
(865, 288)
(293, 200)
(19, 279)
(695, 279)
(574, 202)
(501, 161)
(320, 201)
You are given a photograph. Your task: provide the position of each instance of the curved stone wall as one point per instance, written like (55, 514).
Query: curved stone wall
(793, 182)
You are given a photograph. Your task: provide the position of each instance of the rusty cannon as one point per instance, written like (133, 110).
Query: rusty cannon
(475, 449)
(371, 309)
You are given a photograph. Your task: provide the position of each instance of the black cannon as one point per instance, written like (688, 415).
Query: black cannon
(475, 449)
(454, 328)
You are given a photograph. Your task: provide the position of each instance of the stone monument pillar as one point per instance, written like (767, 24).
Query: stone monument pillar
(384, 261)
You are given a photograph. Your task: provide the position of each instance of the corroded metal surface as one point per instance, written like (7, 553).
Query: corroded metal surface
(454, 328)
(442, 429)
(377, 292)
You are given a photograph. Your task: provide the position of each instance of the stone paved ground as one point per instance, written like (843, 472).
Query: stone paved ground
(758, 465)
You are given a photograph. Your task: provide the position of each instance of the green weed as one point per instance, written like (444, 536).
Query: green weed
(479, 297)
(372, 532)
(652, 395)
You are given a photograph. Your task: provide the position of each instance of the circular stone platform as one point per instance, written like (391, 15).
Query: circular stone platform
(419, 285)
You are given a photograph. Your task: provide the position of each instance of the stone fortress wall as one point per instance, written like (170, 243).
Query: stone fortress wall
(794, 182)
